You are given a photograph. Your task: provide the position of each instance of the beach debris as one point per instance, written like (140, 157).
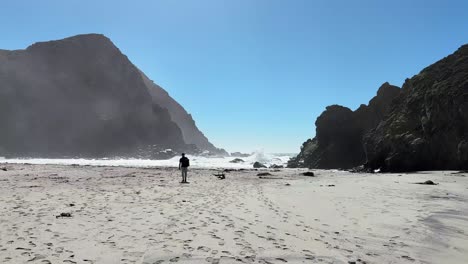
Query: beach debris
(220, 176)
(72, 204)
(4, 169)
(64, 215)
(264, 174)
(428, 182)
(237, 160)
(258, 165)
(308, 173)
(287, 184)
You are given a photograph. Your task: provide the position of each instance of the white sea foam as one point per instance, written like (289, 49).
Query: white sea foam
(267, 159)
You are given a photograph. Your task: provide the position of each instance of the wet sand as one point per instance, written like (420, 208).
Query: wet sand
(138, 215)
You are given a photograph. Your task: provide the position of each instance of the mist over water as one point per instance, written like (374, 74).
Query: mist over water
(267, 159)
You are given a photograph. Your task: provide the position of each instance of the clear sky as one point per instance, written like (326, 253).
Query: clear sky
(255, 74)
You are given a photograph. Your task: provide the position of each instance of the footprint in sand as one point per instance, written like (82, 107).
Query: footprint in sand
(203, 248)
(176, 259)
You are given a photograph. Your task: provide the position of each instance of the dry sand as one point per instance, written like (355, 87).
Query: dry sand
(135, 215)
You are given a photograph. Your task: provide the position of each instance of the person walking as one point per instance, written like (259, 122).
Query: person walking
(184, 163)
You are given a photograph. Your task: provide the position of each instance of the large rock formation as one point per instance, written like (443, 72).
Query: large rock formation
(190, 132)
(423, 126)
(427, 128)
(80, 97)
(338, 142)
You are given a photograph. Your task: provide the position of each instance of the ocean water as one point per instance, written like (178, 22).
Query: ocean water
(267, 159)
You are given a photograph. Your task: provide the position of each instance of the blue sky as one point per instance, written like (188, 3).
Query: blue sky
(255, 74)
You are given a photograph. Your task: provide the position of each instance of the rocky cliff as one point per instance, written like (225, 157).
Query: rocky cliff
(80, 97)
(427, 128)
(190, 132)
(338, 141)
(423, 126)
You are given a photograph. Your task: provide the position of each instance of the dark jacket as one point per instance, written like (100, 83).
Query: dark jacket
(184, 162)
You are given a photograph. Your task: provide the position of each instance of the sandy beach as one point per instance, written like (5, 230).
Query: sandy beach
(144, 215)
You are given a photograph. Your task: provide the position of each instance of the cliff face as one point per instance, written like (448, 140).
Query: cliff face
(427, 128)
(80, 96)
(423, 126)
(190, 132)
(339, 133)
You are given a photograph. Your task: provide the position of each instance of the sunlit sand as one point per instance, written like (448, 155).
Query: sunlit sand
(144, 215)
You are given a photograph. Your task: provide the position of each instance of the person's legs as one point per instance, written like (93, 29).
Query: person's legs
(184, 174)
(182, 171)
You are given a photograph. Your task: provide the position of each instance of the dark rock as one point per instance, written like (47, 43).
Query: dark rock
(264, 174)
(274, 166)
(308, 173)
(428, 182)
(87, 96)
(220, 176)
(460, 172)
(340, 131)
(287, 184)
(427, 127)
(4, 169)
(422, 126)
(67, 215)
(361, 169)
(236, 160)
(258, 165)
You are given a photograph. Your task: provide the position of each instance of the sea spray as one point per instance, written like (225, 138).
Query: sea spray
(267, 159)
